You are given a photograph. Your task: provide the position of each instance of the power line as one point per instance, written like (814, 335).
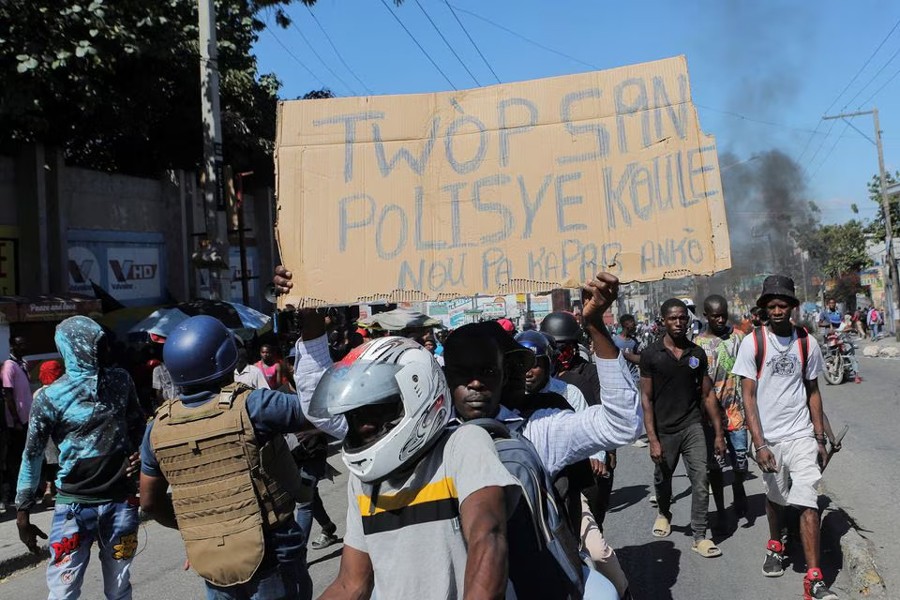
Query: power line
(874, 77)
(763, 122)
(884, 85)
(477, 49)
(865, 64)
(828, 154)
(339, 55)
(321, 60)
(413, 38)
(847, 87)
(294, 56)
(821, 145)
(522, 37)
(436, 28)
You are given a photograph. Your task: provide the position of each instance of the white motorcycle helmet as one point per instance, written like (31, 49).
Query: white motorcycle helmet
(391, 371)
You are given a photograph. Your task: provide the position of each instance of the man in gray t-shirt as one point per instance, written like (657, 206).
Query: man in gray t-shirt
(412, 532)
(427, 509)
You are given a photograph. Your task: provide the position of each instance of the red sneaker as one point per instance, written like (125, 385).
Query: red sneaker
(772, 567)
(814, 587)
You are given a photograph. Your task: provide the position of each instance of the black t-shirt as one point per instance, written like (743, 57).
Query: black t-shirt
(583, 375)
(677, 385)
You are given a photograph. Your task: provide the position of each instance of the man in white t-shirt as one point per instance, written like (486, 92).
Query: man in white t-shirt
(249, 375)
(779, 365)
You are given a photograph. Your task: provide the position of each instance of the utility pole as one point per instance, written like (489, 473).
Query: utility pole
(214, 188)
(893, 301)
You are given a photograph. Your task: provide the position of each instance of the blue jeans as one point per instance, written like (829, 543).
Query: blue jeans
(75, 527)
(876, 329)
(278, 583)
(314, 470)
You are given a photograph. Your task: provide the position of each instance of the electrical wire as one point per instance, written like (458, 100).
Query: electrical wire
(884, 85)
(321, 60)
(863, 67)
(522, 37)
(413, 38)
(833, 146)
(294, 56)
(874, 77)
(761, 121)
(337, 53)
(436, 28)
(477, 49)
(821, 145)
(847, 87)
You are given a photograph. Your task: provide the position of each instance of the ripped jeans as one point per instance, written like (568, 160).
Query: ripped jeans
(75, 528)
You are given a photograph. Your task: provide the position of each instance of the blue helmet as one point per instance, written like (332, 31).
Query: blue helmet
(537, 342)
(200, 350)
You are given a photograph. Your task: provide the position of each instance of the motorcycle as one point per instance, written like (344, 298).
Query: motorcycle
(839, 353)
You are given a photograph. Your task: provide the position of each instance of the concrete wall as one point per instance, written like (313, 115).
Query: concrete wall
(42, 200)
(93, 200)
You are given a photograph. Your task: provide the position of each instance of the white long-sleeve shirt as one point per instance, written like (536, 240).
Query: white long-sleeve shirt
(313, 359)
(568, 391)
(574, 398)
(562, 437)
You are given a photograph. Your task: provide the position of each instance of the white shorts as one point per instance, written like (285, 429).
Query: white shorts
(798, 473)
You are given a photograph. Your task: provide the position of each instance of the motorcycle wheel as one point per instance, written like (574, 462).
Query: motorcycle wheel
(834, 370)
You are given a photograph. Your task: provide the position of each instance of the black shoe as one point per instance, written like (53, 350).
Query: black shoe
(814, 588)
(772, 567)
(819, 591)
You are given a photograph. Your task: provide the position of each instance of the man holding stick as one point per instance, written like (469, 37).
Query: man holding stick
(783, 407)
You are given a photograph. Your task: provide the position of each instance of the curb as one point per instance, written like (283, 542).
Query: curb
(840, 530)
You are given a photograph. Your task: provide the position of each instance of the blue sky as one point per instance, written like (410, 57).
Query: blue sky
(781, 62)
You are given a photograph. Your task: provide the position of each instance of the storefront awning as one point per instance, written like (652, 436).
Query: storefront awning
(19, 309)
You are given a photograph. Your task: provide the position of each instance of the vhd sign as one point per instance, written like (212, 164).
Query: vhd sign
(133, 272)
(130, 266)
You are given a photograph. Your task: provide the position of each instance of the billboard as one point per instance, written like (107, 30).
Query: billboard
(130, 266)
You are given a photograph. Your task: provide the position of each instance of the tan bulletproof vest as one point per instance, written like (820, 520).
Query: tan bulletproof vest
(226, 490)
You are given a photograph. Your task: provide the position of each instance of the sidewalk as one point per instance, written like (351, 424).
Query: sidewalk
(14, 556)
(887, 347)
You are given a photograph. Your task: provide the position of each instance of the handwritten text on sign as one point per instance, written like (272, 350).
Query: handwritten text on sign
(508, 188)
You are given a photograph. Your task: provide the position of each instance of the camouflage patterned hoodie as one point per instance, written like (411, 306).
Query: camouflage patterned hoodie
(93, 416)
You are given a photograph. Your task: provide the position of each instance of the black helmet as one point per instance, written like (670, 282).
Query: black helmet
(561, 326)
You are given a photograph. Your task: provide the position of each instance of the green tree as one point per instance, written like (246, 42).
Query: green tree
(837, 252)
(837, 249)
(876, 226)
(116, 84)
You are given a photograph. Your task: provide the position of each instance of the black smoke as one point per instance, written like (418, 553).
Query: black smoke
(766, 201)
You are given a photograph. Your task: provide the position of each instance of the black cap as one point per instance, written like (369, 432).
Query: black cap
(516, 355)
(780, 286)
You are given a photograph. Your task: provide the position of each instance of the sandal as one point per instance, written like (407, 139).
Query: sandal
(706, 549)
(661, 527)
(324, 540)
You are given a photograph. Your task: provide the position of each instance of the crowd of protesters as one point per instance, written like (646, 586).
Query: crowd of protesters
(481, 460)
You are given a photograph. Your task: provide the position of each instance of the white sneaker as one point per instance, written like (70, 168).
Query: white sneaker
(640, 443)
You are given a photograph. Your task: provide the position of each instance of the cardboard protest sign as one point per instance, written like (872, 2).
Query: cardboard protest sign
(520, 187)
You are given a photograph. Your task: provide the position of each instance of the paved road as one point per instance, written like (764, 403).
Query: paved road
(864, 478)
(860, 479)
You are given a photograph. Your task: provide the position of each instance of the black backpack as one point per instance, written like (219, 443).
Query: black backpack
(544, 563)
